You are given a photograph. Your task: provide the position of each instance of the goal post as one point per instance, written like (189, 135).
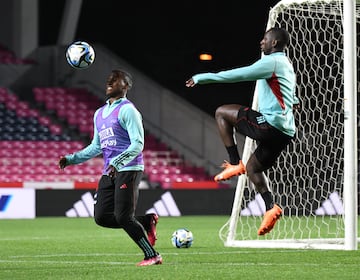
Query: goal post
(350, 126)
(315, 179)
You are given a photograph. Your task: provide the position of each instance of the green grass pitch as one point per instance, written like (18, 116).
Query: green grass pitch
(76, 248)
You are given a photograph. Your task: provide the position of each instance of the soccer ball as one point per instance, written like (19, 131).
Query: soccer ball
(80, 55)
(182, 238)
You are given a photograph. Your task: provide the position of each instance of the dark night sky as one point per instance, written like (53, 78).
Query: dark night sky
(163, 39)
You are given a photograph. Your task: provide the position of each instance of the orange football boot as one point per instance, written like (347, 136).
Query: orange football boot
(269, 220)
(230, 171)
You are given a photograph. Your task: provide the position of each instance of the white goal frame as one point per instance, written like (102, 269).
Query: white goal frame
(228, 233)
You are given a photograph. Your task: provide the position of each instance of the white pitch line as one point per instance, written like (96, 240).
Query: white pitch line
(242, 264)
(39, 259)
(184, 251)
(64, 262)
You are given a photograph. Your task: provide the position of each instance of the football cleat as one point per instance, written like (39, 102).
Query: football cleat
(269, 220)
(152, 261)
(151, 233)
(230, 171)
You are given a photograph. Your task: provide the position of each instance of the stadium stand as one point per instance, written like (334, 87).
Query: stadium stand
(20, 121)
(36, 132)
(8, 57)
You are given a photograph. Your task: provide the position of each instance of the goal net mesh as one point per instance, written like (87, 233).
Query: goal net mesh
(307, 180)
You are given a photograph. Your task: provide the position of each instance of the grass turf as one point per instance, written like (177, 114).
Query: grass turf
(76, 248)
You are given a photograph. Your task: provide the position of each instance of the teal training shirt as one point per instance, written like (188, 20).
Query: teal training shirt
(131, 120)
(276, 83)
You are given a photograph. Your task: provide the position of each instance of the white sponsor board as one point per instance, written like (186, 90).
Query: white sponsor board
(17, 203)
(49, 185)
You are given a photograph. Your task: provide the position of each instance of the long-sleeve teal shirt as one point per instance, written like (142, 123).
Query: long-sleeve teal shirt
(276, 84)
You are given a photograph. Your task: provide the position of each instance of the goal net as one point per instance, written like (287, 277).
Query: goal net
(308, 178)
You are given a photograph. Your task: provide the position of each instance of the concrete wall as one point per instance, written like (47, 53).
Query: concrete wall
(19, 26)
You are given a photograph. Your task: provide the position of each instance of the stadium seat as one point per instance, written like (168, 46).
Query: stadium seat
(31, 144)
(8, 57)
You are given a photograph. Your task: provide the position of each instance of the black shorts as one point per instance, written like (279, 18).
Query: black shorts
(270, 141)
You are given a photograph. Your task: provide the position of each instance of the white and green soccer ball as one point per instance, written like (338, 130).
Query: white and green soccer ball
(182, 238)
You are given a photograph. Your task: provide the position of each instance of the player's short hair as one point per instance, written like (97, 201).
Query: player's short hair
(126, 76)
(281, 35)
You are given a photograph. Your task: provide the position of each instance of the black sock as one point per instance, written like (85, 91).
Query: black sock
(137, 233)
(267, 197)
(145, 246)
(233, 154)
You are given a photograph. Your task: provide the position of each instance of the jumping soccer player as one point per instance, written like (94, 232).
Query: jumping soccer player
(272, 126)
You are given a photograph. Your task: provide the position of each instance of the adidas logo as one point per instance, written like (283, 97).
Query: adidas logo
(83, 207)
(255, 207)
(332, 206)
(166, 206)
